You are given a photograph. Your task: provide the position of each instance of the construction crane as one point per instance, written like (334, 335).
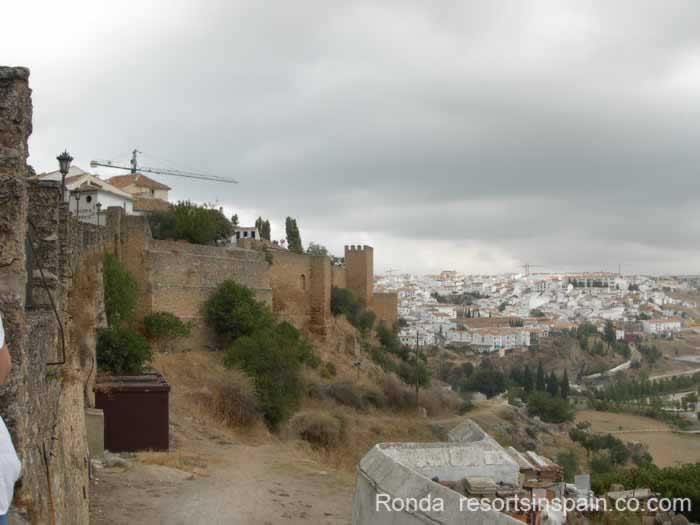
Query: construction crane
(390, 272)
(527, 267)
(134, 167)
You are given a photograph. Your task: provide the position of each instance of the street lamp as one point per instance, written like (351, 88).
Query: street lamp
(76, 195)
(99, 207)
(64, 160)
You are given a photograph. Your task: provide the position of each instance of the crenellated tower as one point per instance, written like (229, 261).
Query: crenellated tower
(359, 270)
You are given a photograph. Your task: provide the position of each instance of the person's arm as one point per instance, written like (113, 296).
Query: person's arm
(5, 360)
(5, 364)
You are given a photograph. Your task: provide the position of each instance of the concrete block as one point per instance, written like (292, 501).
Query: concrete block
(95, 423)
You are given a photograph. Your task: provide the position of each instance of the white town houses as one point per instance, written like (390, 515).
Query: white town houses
(87, 193)
(496, 313)
(666, 325)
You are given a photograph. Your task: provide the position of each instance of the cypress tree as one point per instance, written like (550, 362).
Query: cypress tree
(564, 388)
(540, 385)
(552, 385)
(527, 380)
(293, 236)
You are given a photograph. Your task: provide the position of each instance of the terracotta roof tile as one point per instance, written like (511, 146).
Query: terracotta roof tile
(139, 179)
(141, 204)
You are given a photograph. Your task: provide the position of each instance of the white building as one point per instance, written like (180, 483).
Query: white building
(245, 232)
(494, 339)
(664, 325)
(84, 191)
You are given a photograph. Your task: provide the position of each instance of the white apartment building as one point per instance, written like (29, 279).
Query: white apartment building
(664, 325)
(494, 339)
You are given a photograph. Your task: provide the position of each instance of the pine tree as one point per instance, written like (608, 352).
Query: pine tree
(564, 388)
(540, 385)
(293, 236)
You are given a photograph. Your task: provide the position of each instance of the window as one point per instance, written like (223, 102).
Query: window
(252, 234)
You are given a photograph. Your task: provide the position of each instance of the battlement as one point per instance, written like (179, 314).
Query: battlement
(358, 248)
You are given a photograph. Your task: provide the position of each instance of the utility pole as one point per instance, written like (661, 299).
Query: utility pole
(416, 369)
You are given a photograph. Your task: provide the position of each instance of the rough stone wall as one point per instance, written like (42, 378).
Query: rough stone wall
(321, 283)
(178, 277)
(359, 271)
(358, 276)
(339, 277)
(181, 276)
(15, 128)
(386, 306)
(301, 289)
(43, 403)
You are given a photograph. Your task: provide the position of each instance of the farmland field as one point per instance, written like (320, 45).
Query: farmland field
(667, 448)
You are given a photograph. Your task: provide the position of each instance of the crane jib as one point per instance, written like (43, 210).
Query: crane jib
(162, 171)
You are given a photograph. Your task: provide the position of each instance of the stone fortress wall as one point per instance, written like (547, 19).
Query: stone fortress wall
(47, 260)
(178, 277)
(358, 276)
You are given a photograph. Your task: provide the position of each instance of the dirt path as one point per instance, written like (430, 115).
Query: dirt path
(261, 485)
(222, 476)
(246, 484)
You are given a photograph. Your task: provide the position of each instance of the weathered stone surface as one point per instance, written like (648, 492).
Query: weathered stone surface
(53, 352)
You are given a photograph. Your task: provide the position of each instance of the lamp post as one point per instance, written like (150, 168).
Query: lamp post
(64, 160)
(99, 207)
(76, 195)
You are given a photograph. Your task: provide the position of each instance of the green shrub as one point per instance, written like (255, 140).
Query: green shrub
(409, 373)
(465, 407)
(164, 325)
(191, 222)
(601, 464)
(365, 321)
(569, 462)
(549, 409)
(233, 311)
(344, 302)
(681, 481)
(487, 380)
(272, 357)
(319, 428)
(313, 361)
(120, 289)
(122, 351)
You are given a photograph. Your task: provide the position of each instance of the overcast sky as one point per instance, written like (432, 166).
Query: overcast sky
(474, 136)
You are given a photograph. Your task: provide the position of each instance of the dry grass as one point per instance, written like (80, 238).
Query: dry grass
(200, 388)
(233, 399)
(320, 429)
(174, 459)
(363, 431)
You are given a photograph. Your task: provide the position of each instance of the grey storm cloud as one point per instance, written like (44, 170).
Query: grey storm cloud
(477, 135)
